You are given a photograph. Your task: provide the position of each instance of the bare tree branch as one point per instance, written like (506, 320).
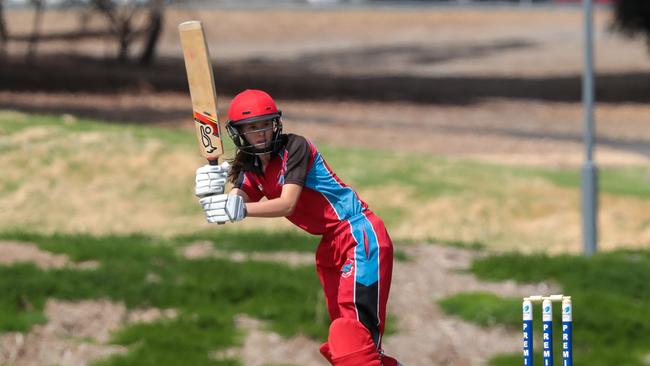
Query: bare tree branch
(120, 18)
(4, 35)
(36, 29)
(127, 21)
(76, 35)
(154, 29)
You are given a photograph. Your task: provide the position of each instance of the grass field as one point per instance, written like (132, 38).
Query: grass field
(86, 174)
(121, 195)
(610, 299)
(207, 292)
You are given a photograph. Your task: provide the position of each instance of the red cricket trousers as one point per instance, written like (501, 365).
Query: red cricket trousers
(355, 264)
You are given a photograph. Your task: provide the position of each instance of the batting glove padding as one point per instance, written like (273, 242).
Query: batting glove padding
(223, 208)
(211, 179)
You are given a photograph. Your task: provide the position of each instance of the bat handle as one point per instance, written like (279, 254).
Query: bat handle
(215, 162)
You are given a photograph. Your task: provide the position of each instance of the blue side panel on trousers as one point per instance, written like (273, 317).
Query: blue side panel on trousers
(367, 266)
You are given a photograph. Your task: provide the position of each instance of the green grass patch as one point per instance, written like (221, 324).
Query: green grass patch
(623, 181)
(9, 186)
(255, 240)
(401, 256)
(382, 168)
(471, 245)
(483, 308)
(433, 176)
(16, 122)
(610, 293)
(207, 294)
(13, 122)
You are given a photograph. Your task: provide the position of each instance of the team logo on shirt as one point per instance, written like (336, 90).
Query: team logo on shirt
(283, 168)
(347, 269)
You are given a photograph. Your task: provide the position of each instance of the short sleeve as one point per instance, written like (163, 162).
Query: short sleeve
(299, 160)
(246, 184)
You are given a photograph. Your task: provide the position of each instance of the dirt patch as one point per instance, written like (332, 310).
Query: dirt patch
(496, 130)
(76, 333)
(425, 335)
(17, 252)
(262, 347)
(198, 250)
(205, 249)
(541, 40)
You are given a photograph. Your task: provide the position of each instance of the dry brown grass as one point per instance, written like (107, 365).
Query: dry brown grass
(535, 215)
(510, 213)
(104, 182)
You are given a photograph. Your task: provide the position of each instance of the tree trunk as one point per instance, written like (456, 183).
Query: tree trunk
(4, 36)
(124, 39)
(154, 29)
(36, 29)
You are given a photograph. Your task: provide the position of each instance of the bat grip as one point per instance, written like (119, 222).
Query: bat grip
(215, 162)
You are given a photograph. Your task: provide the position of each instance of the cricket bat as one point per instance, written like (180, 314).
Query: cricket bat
(202, 92)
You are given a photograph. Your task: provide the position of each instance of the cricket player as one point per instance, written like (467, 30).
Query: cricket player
(354, 259)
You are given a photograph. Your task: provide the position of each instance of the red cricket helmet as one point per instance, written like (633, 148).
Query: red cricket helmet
(252, 106)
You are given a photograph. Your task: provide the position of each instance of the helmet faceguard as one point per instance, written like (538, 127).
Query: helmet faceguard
(252, 106)
(270, 146)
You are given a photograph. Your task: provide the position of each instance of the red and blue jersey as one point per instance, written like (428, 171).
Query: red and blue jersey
(325, 200)
(355, 256)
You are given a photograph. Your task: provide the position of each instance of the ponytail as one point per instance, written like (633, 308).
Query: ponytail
(244, 162)
(241, 162)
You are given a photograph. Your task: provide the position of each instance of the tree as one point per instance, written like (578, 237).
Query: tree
(36, 28)
(127, 22)
(4, 36)
(154, 29)
(122, 17)
(632, 17)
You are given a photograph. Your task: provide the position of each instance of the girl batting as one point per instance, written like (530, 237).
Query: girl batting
(354, 259)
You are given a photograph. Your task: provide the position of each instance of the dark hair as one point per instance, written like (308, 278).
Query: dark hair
(242, 162)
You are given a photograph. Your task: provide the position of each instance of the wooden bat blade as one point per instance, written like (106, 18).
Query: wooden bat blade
(202, 91)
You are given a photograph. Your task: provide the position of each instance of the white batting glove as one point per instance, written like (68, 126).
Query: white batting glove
(211, 179)
(223, 208)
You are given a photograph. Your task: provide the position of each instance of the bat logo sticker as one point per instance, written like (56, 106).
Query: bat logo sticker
(206, 131)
